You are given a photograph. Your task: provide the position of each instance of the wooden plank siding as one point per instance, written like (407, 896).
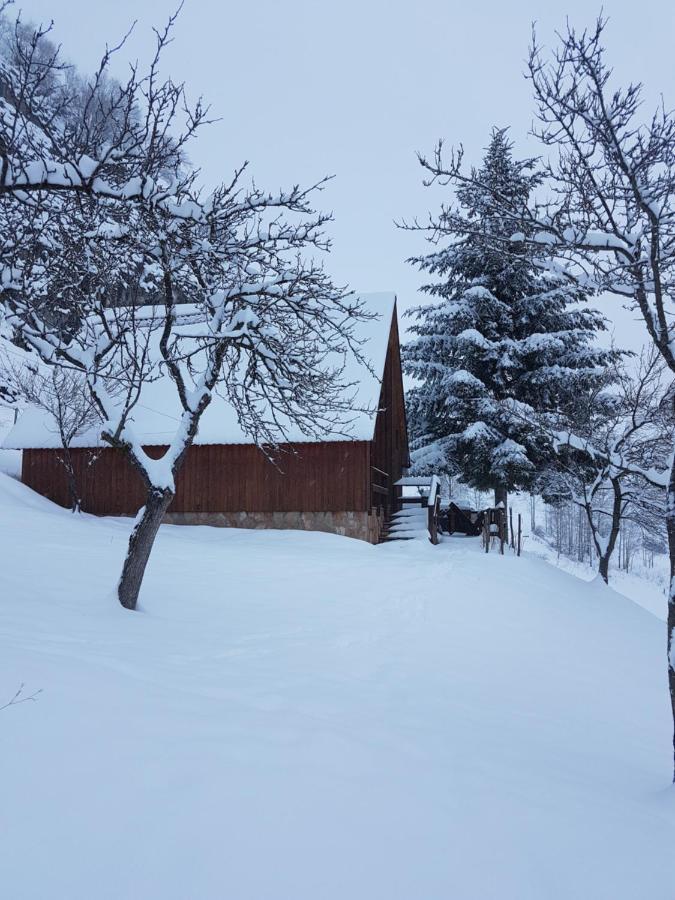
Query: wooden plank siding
(326, 476)
(310, 477)
(389, 449)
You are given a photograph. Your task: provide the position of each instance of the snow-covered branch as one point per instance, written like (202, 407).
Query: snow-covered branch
(115, 266)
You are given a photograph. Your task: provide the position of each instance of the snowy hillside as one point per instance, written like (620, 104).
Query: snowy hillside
(303, 716)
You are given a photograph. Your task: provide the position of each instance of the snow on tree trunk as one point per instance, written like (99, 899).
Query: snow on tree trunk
(121, 218)
(140, 545)
(73, 493)
(670, 525)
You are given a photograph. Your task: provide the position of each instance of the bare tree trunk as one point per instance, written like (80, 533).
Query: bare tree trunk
(603, 567)
(670, 525)
(140, 544)
(73, 493)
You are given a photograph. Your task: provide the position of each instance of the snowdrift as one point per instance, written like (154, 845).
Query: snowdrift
(303, 716)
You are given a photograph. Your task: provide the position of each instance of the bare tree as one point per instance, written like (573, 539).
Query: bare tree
(609, 214)
(63, 396)
(615, 213)
(614, 448)
(106, 197)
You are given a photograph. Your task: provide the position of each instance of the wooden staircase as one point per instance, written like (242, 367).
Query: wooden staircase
(405, 525)
(418, 517)
(402, 525)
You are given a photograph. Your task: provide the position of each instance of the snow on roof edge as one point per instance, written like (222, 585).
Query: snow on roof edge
(35, 429)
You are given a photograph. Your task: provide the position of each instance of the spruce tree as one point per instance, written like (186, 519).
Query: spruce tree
(508, 339)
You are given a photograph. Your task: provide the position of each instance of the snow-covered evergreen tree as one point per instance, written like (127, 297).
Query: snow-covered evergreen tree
(509, 336)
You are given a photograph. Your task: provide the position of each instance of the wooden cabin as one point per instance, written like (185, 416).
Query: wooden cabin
(341, 484)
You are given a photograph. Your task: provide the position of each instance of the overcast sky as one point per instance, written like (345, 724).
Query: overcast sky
(354, 87)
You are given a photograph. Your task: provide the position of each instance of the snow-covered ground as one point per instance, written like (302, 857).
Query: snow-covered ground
(297, 716)
(648, 587)
(10, 460)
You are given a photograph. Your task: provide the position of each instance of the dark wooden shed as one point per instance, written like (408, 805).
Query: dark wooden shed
(340, 485)
(464, 520)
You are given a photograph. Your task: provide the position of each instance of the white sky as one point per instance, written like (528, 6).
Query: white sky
(354, 88)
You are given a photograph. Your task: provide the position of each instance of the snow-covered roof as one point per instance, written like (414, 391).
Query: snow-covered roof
(156, 415)
(414, 481)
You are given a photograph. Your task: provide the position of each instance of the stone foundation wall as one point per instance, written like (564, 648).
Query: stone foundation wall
(361, 525)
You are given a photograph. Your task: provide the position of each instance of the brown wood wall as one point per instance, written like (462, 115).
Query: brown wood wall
(389, 449)
(330, 476)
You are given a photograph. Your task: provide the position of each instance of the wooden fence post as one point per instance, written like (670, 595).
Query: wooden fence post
(519, 532)
(511, 535)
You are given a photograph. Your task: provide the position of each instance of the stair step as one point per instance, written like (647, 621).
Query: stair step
(404, 525)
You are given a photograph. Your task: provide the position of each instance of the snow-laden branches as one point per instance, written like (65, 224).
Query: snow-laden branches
(59, 392)
(603, 209)
(60, 133)
(614, 176)
(612, 457)
(506, 330)
(611, 209)
(116, 267)
(603, 203)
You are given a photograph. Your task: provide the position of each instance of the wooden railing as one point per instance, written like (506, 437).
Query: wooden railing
(382, 489)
